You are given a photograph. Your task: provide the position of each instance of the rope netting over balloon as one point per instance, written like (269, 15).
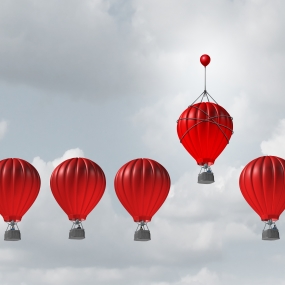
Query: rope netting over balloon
(209, 119)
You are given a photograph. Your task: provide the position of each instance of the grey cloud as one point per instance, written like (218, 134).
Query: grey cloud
(70, 47)
(103, 49)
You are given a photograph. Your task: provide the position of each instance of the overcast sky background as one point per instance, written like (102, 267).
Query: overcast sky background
(107, 80)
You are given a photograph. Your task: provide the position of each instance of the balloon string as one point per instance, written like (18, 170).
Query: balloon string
(204, 94)
(205, 78)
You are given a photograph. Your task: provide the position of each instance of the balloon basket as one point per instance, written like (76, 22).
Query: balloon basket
(206, 176)
(271, 233)
(142, 232)
(12, 234)
(77, 231)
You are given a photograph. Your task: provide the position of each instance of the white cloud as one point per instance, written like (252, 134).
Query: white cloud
(76, 152)
(47, 167)
(276, 144)
(203, 277)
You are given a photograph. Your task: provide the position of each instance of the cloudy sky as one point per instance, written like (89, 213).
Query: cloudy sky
(107, 80)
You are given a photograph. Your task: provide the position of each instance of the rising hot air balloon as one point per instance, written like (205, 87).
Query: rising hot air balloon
(205, 129)
(77, 185)
(142, 186)
(262, 184)
(19, 188)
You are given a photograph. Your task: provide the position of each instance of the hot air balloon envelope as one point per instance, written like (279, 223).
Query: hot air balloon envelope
(204, 129)
(77, 185)
(142, 186)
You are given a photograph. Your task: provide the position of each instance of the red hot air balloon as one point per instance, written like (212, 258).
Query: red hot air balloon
(77, 185)
(262, 184)
(19, 188)
(205, 129)
(142, 186)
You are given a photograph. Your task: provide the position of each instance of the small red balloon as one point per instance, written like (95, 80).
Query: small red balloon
(205, 59)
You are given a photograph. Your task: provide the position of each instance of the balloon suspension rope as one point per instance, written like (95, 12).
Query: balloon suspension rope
(141, 226)
(206, 168)
(12, 225)
(269, 223)
(78, 224)
(204, 94)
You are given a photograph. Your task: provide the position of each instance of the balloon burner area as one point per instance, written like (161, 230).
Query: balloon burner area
(206, 176)
(77, 231)
(270, 231)
(142, 232)
(12, 232)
